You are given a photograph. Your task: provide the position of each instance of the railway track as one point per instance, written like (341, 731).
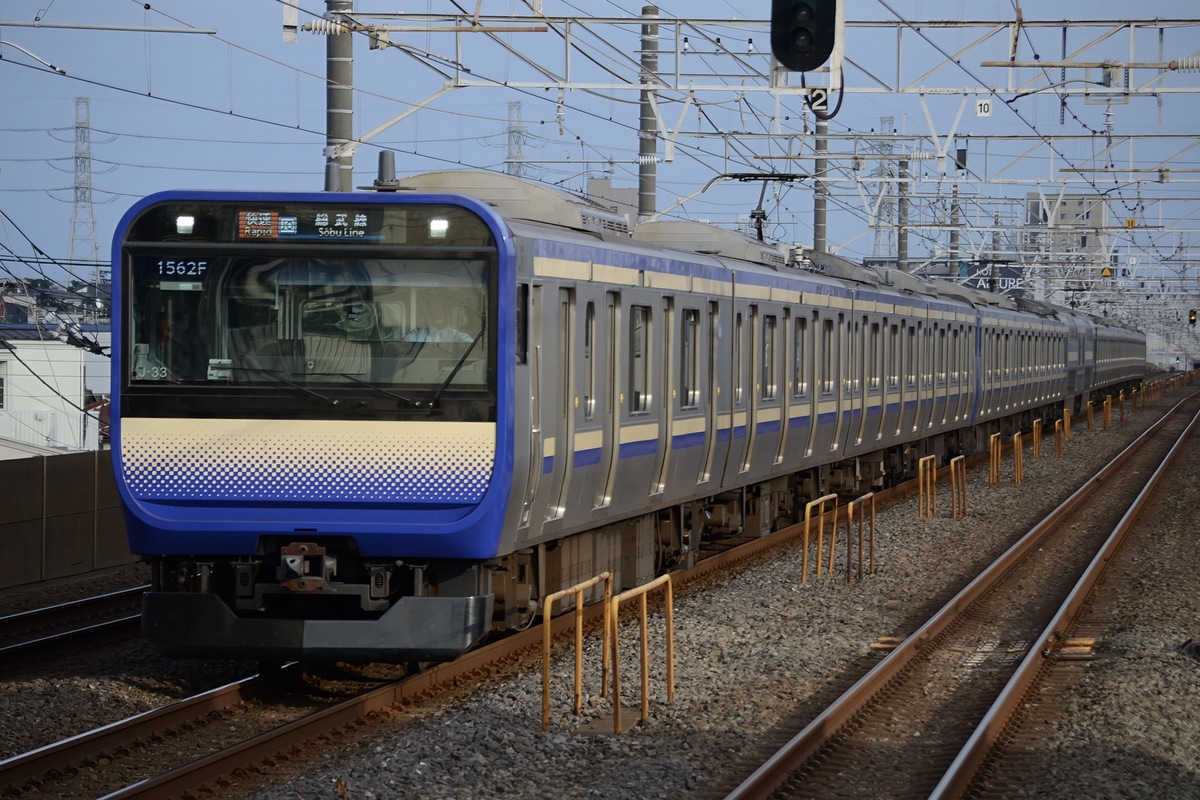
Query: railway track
(70, 624)
(201, 741)
(259, 727)
(923, 721)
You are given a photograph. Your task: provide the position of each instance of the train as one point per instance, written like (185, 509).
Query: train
(383, 425)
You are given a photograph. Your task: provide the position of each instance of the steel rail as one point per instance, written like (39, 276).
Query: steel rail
(23, 769)
(960, 773)
(775, 770)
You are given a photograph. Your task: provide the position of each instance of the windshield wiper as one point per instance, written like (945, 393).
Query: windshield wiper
(276, 376)
(461, 360)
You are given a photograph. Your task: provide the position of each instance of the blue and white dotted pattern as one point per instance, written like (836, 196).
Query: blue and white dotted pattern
(308, 461)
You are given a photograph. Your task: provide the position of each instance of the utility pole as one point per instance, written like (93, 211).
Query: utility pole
(820, 190)
(648, 129)
(339, 96)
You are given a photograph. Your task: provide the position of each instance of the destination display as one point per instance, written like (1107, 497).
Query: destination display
(249, 222)
(314, 224)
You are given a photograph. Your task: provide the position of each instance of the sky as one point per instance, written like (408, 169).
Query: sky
(214, 98)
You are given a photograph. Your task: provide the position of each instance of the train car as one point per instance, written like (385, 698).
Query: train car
(380, 425)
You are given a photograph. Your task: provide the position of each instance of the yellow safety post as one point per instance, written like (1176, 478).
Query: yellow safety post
(850, 528)
(958, 486)
(1058, 438)
(1121, 406)
(994, 448)
(1037, 439)
(820, 504)
(927, 487)
(1018, 460)
(1107, 411)
(1066, 424)
(668, 614)
(1091, 415)
(547, 609)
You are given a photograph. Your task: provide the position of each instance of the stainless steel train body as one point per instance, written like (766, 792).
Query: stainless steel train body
(313, 479)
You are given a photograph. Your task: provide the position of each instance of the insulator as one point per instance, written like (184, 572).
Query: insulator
(326, 27)
(645, 160)
(1186, 65)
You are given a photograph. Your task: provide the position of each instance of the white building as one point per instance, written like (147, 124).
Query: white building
(45, 384)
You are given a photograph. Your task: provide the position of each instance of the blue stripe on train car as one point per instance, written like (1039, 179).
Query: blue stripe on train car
(683, 441)
(636, 449)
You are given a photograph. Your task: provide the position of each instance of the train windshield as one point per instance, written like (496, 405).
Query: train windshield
(409, 323)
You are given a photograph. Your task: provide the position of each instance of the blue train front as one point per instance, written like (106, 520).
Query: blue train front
(310, 410)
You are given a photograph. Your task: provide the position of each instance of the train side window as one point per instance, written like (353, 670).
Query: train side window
(910, 358)
(589, 362)
(940, 356)
(522, 322)
(639, 359)
(769, 377)
(689, 359)
(893, 357)
(800, 347)
(955, 357)
(827, 349)
(873, 358)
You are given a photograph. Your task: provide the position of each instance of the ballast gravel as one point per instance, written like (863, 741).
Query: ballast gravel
(749, 651)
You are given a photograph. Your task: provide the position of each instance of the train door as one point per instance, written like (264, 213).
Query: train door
(986, 366)
(893, 405)
(610, 429)
(908, 392)
(812, 376)
(1006, 371)
(666, 402)
(831, 367)
(739, 439)
(925, 376)
(887, 373)
(941, 376)
(712, 380)
(802, 386)
(534, 348)
(863, 370)
(779, 348)
(565, 424)
(955, 378)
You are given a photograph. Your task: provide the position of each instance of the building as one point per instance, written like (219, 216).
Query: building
(48, 377)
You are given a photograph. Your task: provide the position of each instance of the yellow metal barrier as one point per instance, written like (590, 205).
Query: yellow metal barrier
(958, 487)
(1091, 417)
(1121, 406)
(994, 448)
(1037, 439)
(1058, 438)
(547, 609)
(862, 519)
(668, 606)
(1018, 459)
(1066, 424)
(820, 504)
(927, 487)
(1107, 412)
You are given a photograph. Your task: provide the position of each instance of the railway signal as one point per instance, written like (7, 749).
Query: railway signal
(803, 32)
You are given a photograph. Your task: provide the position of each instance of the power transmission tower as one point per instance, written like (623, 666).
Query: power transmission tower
(885, 220)
(83, 220)
(514, 163)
